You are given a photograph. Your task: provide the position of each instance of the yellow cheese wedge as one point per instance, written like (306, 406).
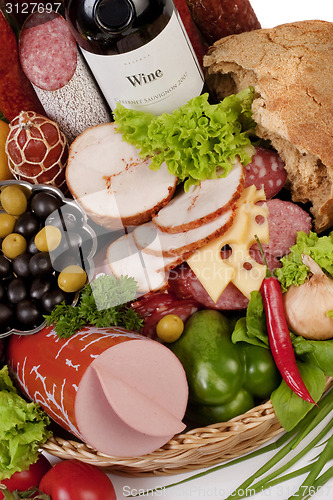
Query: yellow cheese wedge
(214, 272)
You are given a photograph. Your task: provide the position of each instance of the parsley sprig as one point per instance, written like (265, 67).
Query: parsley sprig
(102, 303)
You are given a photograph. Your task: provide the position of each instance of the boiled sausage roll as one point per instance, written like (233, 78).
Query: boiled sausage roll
(123, 394)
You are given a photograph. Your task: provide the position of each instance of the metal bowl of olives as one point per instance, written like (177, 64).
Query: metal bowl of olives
(41, 233)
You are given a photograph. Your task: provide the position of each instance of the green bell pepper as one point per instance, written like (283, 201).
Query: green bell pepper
(225, 379)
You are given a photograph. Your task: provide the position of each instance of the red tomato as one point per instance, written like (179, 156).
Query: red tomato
(75, 480)
(29, 478)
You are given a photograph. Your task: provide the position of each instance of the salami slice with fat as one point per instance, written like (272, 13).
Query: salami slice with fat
(48, 51)
(266, 170)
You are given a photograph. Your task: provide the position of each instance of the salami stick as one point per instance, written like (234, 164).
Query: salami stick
(16, 92)
(219, 18)
(200, 47)
(53, 64)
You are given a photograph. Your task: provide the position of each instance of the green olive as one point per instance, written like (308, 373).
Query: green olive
(169, 328)
(7, 223)
(72, 278)
(48, 239)
(13, 200)
(13, 245)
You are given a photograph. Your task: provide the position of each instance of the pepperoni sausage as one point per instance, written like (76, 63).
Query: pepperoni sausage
(218, 18)
(266, 170)
(16, 92)
(48, 51)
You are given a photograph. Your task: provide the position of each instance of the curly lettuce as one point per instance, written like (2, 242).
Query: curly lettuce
(23, 428)
(319, 248)
(197, 141)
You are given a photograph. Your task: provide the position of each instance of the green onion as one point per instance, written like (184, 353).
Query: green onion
(324, 457)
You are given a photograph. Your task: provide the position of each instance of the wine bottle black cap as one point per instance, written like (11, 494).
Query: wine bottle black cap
(114, 15)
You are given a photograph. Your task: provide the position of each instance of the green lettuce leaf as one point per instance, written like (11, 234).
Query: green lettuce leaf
(317, 352)
(319, 248)
(23, 428)
(252, 328)
(197, 141)
(290, 408)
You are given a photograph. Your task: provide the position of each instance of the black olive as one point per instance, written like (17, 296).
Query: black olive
(43, 204)
(16, 290)
(5, 267)
(28, 224)
(31, 247)
(40, 264)
(2, 292)
(41, 285)
(52, 298)
(28, 313)
(6, 317)
(21, 265)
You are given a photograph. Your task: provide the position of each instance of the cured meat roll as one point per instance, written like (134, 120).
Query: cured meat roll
(52, 62)
(118, 391)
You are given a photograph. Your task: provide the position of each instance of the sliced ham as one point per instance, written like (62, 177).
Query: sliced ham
(202, 203)
(112, 183)
(150, 239)
(149, 271)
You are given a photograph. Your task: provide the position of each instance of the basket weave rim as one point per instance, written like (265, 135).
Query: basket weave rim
(197, 448)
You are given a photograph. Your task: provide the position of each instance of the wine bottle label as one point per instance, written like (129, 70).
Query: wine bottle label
(158, 77)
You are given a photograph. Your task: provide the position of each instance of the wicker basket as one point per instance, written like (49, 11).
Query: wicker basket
(195, 449)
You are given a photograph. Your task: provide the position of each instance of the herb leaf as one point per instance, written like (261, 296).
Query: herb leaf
(102, 303)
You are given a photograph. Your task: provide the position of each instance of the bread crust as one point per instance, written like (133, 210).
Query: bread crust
(291, 69)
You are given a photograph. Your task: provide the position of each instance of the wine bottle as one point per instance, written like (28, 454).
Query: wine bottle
(138, 51)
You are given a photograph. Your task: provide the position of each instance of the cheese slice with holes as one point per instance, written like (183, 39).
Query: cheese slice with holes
(215, 272)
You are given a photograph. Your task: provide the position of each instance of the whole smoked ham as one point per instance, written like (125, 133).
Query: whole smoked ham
(118, 391)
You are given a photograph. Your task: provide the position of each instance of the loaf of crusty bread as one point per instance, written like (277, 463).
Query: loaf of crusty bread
(291, 69)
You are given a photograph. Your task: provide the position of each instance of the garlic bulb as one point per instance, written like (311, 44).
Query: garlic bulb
(306, 306)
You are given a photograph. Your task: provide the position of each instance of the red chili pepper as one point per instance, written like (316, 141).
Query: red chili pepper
(279, 338)
(278, 333)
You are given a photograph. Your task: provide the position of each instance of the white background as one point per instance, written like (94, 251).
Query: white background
(217, 485)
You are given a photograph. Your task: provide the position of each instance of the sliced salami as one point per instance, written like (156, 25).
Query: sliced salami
(284, 221)
(184, 284)
(266, 170)
(48, 51)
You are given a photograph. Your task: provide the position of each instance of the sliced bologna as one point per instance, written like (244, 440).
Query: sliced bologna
(112, 183)
(202, 203)
(150, 239)
(123, 394)
(266, 170)
(48, 51)
(149, 271)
